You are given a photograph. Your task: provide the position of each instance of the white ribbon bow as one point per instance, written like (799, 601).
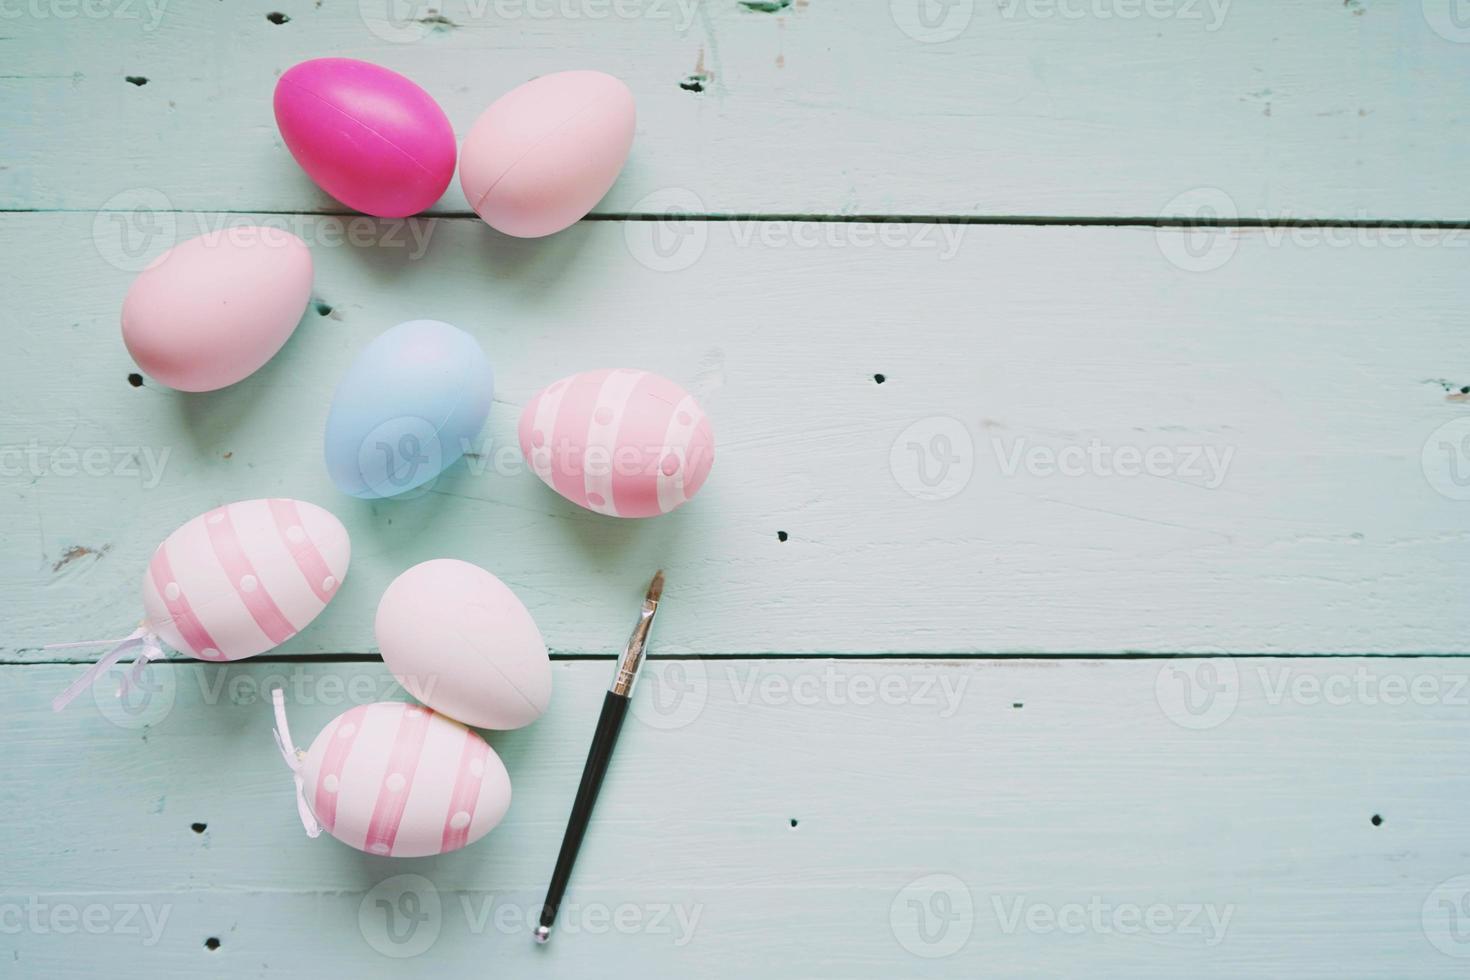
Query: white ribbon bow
(140, 637)
(293, 757)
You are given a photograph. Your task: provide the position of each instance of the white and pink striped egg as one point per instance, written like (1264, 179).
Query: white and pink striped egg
(400, 780)
(244, 578)
(620, 442)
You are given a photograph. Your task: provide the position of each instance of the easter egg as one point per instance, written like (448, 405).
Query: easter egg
(407, 408)
(366, 135)
(546, 152)
(461, 642)
(243, 578)
(402, 781)
(212, 310)
(619, 442)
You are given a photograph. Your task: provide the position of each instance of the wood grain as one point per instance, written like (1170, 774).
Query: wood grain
(1299, 108)
(1315, 374)
(1025, 785)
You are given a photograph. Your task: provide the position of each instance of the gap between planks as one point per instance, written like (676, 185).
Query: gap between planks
(1019, 220)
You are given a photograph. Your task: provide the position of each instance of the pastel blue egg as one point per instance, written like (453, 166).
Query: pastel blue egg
(407, 408)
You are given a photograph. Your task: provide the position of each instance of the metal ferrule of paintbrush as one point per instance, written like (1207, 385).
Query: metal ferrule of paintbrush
(632, 656)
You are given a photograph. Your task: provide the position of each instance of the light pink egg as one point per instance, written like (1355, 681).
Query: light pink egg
(458, 639)
(210, 311)
(546, 152)
(244, 578)
(620, 442)
(402, 781)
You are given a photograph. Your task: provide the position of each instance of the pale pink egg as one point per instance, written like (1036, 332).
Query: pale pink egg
(210, 311)
(402, 781)
(244, 578)
(546, 152)
(620, 442)
(458, 639)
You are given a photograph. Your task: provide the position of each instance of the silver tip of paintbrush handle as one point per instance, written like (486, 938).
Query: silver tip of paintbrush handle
(543, 933)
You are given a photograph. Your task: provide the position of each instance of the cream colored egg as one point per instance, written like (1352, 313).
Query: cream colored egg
(459, 640)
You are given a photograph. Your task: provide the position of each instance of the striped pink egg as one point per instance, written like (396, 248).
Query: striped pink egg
(244, 578)
(619, 442)
(403, 781)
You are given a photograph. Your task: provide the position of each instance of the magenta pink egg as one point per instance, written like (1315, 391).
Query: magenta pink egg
(402, 781)
(212, 310)
(366, 135)
(620, 442)
(546, 152)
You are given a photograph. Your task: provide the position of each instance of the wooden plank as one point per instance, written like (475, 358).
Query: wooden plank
(1299, 108)
(1308, 371)
(1233, 840)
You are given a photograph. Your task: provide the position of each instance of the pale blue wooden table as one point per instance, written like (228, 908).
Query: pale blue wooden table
(1076, 593)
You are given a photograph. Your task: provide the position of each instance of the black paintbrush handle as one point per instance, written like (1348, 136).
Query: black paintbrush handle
(614, 710)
